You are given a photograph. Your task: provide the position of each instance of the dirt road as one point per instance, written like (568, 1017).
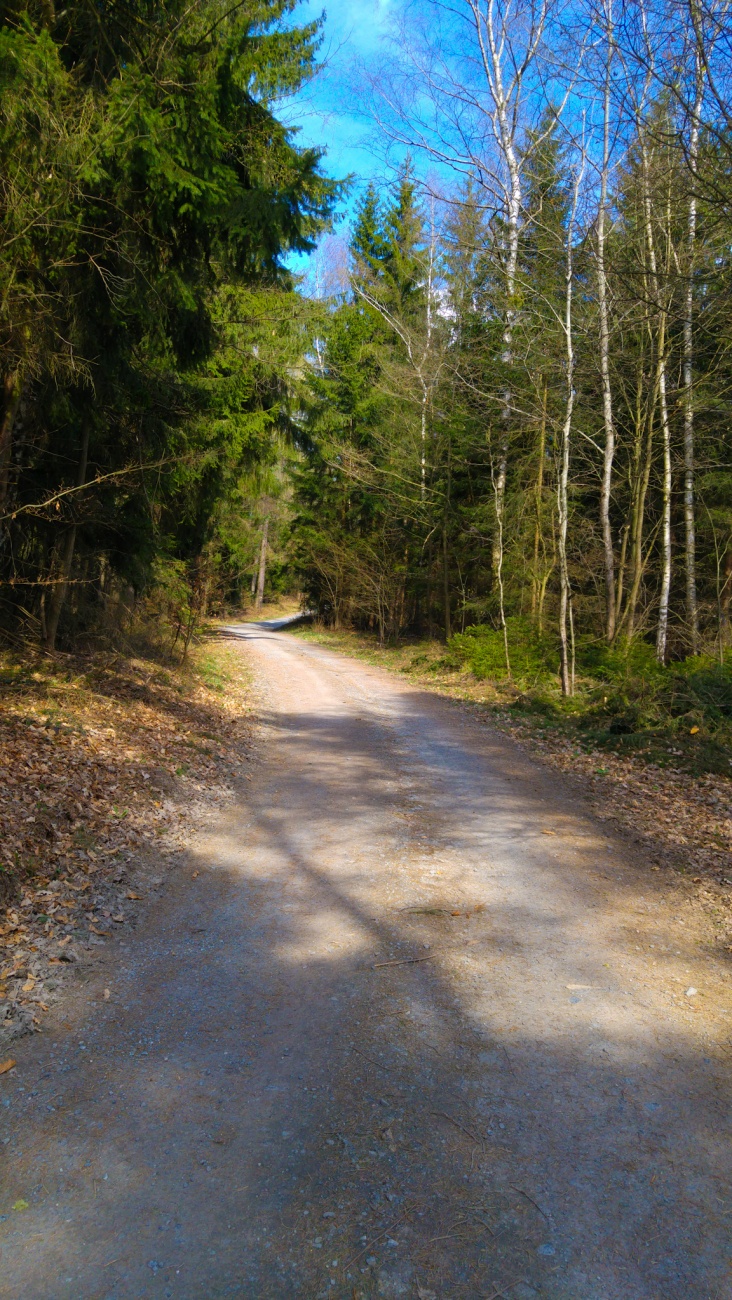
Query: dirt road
(419, 1027)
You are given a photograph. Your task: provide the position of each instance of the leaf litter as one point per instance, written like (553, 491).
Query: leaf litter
(106, 766)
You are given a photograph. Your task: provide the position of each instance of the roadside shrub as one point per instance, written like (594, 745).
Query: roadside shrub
(701, 692)
(629, 663)
(481, 649)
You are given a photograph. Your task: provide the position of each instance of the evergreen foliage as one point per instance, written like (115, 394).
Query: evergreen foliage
(149, 329)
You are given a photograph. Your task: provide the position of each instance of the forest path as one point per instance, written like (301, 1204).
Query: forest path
(419, 1028)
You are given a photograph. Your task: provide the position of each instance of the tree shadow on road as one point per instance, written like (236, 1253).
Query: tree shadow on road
(298, 1097)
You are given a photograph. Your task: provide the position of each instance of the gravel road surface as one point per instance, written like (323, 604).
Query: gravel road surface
(419, 1027)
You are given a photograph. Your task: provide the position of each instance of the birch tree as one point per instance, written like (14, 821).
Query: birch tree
(602, 299)
(565, 593)
(462, 93)
(692, 610)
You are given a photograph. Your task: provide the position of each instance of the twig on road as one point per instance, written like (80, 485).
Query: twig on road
(444, 1236)
(402, 961)
(385, 1068)
(521, 1192)
(508, 1059)
(494, 1295)
(457, 1124)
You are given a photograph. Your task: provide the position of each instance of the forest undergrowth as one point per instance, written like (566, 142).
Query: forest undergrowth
(107, 762)
(667, 784)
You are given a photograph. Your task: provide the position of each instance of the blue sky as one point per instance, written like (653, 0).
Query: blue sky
(326, 109)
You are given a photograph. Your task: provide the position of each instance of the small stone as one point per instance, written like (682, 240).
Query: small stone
(546, 1249)
(691, 992)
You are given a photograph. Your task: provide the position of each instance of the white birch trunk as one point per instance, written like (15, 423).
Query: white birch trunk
(662, 634)
(692, 609)
(665, 594)
(506, 122)
(567, 658)
(607, 400)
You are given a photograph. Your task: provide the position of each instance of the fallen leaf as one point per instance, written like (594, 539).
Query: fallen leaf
(102, 933)
(693, 731)
(544, 832)
(195, 874)
(119, 918)
(20, 1205)
(6, 1065)
(107, 995)
(130, 894)
(29, 985)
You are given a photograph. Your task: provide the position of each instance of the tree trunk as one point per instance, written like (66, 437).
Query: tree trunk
(498, 500)
(639, 514)
(445, 548)
(607, 401)
(692, 609)
(507, 132)
(662, 634)
(636, 476)
(499, 496)
(262, 566)
(538, 502)
(446, 582)
(12, 392)
(565, 595)
(725, 598)
(63, 572)
(622, 565)
(661, 309)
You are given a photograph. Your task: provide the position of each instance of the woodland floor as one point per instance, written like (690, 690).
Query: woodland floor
(107, 764)
(321, 984)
